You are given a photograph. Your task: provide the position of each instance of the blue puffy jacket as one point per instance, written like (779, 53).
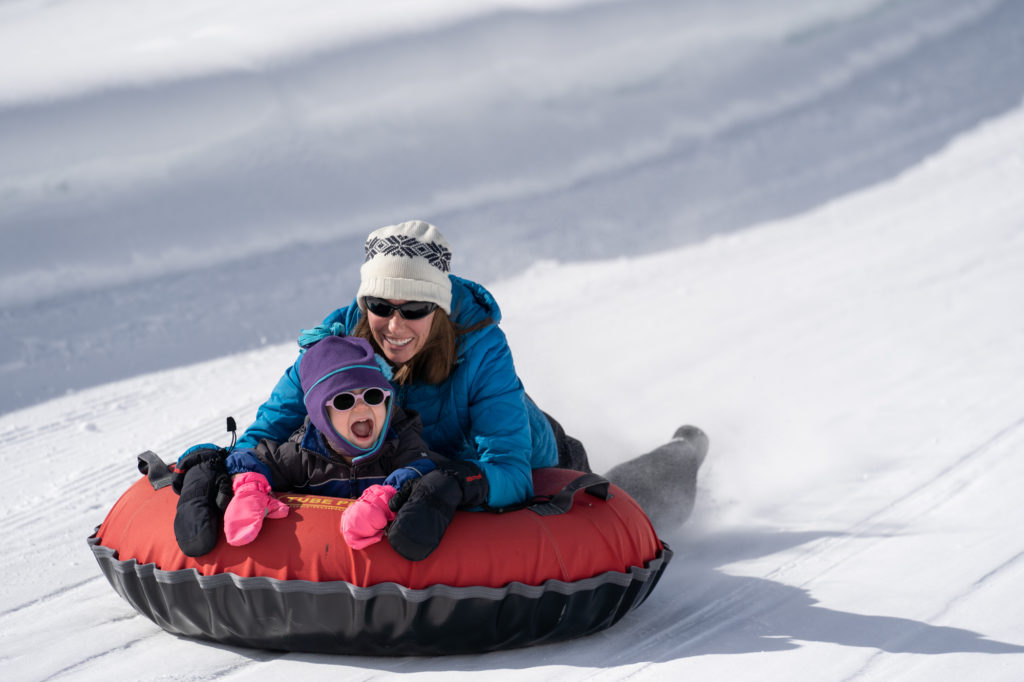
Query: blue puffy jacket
(480, 412)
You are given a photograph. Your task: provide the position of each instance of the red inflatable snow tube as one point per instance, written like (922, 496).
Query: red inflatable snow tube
(496, 581)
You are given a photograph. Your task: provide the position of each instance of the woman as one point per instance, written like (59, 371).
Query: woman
(451, 363)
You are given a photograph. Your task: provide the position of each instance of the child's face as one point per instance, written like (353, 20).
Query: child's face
(360, 424)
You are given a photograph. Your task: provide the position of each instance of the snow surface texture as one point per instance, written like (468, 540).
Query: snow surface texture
(801, 228)
(197, 152)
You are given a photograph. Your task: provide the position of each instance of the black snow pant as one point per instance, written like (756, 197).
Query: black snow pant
(571, 453)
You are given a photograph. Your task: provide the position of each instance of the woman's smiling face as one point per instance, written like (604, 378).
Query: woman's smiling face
(399, 338)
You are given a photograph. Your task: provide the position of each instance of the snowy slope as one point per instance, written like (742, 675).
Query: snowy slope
(196, 150)
(856, 365)
(857, 368)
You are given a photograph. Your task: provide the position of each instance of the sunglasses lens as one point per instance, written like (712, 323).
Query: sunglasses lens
(373, 396)
(344, 401)
(379, 307)
(415, 311)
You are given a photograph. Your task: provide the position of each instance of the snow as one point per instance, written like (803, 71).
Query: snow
(799, 226)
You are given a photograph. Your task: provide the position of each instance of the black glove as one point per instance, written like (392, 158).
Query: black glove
(204, 489)
(425, 506)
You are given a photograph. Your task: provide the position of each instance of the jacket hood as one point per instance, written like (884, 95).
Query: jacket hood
(472, 303)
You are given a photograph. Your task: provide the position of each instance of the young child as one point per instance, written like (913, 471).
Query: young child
(355, 443)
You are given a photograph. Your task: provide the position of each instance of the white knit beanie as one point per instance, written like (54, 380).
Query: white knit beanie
(407, 262)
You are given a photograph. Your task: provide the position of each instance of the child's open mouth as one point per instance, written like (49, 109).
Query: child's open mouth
(363, 429)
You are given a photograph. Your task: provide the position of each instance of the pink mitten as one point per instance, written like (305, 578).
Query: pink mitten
(363, 523)
(252, 501)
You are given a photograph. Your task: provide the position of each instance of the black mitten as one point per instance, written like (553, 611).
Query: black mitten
(472, 482)
(425, 506)
(204, 490)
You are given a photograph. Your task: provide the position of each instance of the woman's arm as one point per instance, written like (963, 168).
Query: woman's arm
(499, 423)
(281, 414)
(285, 411)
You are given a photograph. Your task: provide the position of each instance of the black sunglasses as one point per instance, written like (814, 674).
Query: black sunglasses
(413, 310)
(371, 396)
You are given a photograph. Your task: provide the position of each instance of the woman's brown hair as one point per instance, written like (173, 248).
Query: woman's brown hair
(436, 360)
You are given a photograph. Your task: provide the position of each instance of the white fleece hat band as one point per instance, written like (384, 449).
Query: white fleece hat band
(407, 262)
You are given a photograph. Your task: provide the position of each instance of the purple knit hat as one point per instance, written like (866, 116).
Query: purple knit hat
(331, 366)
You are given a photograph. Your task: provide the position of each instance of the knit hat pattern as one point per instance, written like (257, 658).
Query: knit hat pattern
(407, 262)
(331, 366)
